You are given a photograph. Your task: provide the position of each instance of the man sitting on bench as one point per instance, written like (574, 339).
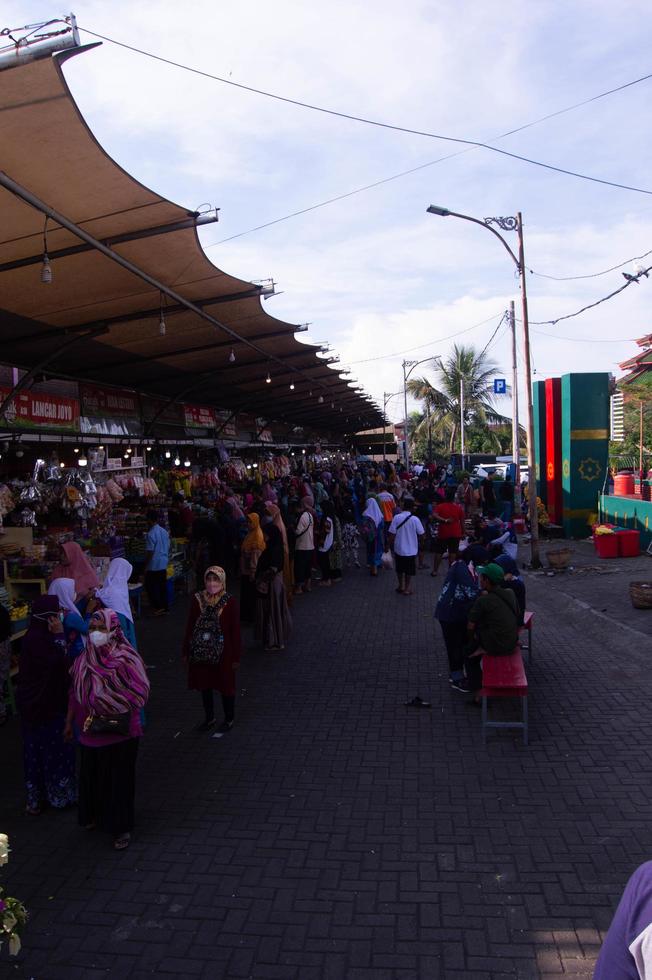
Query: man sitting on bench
(493, 625)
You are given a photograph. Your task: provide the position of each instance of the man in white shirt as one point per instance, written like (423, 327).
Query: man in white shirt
(404, 533)
(304, 549)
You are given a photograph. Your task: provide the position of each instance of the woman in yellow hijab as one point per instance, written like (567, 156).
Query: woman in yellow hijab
(250, 551)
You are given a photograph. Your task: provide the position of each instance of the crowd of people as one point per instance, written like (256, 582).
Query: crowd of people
(83, 686)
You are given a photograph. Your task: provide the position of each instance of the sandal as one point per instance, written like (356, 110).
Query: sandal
(122, 842)
(418, 702)
(205, 726)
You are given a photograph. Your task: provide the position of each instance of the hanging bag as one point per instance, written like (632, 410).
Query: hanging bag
(207, 640)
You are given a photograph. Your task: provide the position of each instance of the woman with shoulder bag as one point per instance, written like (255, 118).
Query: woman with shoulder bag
(212, 647)
(109, 690)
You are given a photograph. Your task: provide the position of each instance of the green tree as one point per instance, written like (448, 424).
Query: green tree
(468, 369)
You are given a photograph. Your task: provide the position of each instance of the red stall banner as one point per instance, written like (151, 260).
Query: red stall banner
(199, 417)
(34, 409)
(109, 402)
(553, 450)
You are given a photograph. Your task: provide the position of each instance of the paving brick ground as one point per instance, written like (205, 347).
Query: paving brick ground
(335, 834)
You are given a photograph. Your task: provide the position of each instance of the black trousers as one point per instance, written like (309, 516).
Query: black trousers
(455, 638)
(228, 705)
(156, 586)
(324, 559)
(107, 785)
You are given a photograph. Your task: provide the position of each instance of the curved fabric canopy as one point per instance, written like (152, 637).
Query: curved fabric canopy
(99, 321)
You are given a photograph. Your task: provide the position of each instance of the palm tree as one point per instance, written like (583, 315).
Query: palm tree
(464, 368)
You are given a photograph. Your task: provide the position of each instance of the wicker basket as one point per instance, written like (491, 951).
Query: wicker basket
(559, 558)
(641, 594)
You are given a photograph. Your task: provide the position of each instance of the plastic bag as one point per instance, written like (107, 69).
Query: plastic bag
(387, 560)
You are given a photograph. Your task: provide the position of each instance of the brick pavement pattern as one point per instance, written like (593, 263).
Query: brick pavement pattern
(335, 834)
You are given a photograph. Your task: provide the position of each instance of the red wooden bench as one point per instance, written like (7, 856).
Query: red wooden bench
(504, 677)
(528, 622)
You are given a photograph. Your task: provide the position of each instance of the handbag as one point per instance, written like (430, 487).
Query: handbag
(117, 724)
(387, 560)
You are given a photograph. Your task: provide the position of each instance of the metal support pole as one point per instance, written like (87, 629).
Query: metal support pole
(535, 560)
(640, 447)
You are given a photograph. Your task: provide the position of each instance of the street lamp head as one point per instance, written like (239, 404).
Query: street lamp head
(434, 209)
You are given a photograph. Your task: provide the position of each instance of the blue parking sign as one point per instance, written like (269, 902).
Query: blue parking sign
(500, 386)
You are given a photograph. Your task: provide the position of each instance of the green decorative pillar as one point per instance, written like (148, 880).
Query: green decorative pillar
(585, 447)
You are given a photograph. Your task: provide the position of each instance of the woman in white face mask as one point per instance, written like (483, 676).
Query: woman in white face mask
(212, 647)
(109, 690)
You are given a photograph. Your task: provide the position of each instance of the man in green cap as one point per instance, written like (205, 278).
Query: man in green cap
(493, 623)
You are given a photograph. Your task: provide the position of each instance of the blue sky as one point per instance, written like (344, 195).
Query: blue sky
(374, 274)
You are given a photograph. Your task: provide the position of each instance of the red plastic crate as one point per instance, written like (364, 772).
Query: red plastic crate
(606, 545)
(629, 543)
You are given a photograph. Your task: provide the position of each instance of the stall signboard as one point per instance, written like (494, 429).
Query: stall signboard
(225, 423)
(170, 412)
(35, 409)
(199, 417)
(263, 434)
(111, 402)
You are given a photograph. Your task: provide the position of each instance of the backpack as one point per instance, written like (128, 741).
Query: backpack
(207, 640)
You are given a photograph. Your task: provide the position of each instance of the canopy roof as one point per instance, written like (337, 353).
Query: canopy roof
(99, 320)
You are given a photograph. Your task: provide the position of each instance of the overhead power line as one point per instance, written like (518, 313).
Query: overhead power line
(430, 343)
(629, 281)
(592, 275)
(377, 123)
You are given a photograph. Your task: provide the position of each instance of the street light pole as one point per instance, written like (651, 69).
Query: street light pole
(411, 365)
(386, 398)
(512, 223)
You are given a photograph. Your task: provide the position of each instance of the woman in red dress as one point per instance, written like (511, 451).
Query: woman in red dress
(212, 647)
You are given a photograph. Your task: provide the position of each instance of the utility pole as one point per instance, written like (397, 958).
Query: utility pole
(462, 446)
(516, 455)
(515, 440)
(406, 451)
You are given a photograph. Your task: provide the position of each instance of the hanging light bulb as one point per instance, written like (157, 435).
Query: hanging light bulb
(75, 450)
(232, 356)
(321, 399)
(292, 386)
(268, 379)
(161, 322)
(149, 449)
(46, 268)
(186, 462)
(310, 394)
(82, 461)
(177, 461)
(167, 454)
(62, 465)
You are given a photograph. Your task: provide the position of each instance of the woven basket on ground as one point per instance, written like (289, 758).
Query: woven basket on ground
(641, 594)
(559, 558)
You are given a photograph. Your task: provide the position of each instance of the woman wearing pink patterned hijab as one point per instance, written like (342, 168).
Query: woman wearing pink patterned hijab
(74, 564)
(109, 687)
